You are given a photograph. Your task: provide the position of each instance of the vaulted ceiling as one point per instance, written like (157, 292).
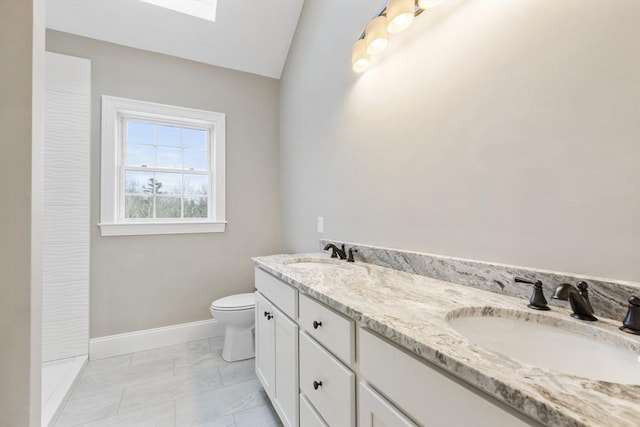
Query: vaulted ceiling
(248, 35)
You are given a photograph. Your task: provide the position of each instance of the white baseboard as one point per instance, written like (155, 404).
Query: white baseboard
(130, 342)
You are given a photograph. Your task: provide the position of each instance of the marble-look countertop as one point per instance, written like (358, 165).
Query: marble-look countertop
(413, 310)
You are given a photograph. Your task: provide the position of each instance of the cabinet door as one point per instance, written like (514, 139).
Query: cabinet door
(265, 344)
(286, 360)
(375, 411)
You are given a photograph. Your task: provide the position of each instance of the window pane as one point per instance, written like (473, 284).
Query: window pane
(195, 207)
(139, 133)
(168, 183)
(140, 155)
(195, 160)
(138, 182)
(196, 184)
(168, 135)
(195, 138)
(169, 158)
(138, 207)
(167, 207)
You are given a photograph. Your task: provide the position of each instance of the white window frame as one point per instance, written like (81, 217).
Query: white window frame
(112, 222)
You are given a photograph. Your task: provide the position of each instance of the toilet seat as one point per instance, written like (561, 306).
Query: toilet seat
(239, 302)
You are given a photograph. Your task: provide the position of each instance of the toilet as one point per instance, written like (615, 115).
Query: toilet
(237, 314)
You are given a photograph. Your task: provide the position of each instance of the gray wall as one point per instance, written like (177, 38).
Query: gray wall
(140, 282)
(505, 131)
(21, 125)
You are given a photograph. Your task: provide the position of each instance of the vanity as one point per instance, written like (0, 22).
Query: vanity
(357, 344)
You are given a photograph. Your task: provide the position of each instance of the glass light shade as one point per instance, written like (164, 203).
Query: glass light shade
(376, 35)
(360, 58)
(428, 4)
(400, 15)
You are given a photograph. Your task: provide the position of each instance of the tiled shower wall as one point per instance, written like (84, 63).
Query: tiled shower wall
(65, 293)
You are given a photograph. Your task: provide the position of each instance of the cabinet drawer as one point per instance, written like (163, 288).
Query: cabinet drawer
(428, 394)
(283, 296)
(327, 383)
(332, 330)
(308, 415)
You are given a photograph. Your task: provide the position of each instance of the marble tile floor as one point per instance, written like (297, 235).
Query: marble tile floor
(177, 386)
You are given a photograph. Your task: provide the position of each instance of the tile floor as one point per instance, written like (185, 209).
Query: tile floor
(176, 386)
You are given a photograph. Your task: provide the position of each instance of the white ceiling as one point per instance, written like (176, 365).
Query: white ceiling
(247, 35)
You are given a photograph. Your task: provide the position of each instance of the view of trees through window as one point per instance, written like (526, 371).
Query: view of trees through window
(166, 171)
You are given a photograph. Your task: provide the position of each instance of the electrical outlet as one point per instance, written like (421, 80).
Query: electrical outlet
(320, 224)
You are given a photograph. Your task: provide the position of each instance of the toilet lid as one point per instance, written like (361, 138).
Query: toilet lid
(235, 302)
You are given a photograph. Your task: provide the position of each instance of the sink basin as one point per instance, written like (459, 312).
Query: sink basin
(589, 354)
(316, 263)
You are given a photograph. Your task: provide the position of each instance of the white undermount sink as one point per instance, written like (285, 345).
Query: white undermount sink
(315, 263)
(588, 354)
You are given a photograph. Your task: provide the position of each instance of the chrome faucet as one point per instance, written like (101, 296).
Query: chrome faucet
(578, 297)
(336, 251)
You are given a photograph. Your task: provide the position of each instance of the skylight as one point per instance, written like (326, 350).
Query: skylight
(205, 9)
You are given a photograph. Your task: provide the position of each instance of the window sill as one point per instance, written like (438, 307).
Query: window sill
(147, 228)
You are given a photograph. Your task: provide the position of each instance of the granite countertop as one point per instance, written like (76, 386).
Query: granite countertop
(413, 310)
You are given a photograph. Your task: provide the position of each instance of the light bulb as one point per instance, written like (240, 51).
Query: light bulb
(376, 35)
(428, 4)
(400, 14)
(360, 58)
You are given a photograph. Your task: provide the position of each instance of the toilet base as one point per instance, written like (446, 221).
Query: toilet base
(239, 344)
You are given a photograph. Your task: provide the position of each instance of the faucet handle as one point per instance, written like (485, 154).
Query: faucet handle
(537, 300)
(631, 322)
(583, 288)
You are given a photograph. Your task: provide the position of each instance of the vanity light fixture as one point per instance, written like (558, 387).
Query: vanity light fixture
(395, 16)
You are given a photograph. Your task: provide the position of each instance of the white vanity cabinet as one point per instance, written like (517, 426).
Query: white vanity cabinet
(277, 345)
(309, 365)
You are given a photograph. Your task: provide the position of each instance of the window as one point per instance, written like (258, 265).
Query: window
(162, 169)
